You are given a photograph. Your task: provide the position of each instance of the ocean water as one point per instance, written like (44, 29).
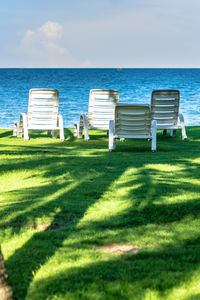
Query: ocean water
(134, 85)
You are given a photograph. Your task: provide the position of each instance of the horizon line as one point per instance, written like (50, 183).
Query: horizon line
(117, 68)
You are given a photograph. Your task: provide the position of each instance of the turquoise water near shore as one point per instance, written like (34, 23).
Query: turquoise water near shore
(134, 85)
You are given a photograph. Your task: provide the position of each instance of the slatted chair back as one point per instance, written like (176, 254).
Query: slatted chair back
(43, 109)
(132, 121)
(165, 107)
(101, 108)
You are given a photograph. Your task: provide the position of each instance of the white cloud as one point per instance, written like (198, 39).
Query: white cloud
(29, 35)
(42, 47)
(51, 30)
(111, 33)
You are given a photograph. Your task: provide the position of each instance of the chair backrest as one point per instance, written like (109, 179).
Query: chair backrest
(101, 108)
(43, 109)
(165, 107)
(132, 120)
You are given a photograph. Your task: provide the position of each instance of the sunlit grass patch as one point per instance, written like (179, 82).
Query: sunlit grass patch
(113, 201)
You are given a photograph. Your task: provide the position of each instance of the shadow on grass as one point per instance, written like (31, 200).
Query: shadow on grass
(125, 276)
(35, 134)
(70, 200)
(6, 133)
(77, 183)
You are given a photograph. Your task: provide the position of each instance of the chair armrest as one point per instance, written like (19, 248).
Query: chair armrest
(181, 118)
(23, 125)
(154, 128)
(111, 138)
(84, 117)
(15, 128)
(60, 125)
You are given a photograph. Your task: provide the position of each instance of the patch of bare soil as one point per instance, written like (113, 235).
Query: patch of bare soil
(40, 227)
(119, 248)
(46, 227)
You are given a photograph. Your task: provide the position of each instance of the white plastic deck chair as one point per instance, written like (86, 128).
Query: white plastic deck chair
(165, 110)
(132, 121)
(100, 112)
(42, 114)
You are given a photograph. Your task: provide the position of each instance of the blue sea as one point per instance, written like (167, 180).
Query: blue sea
(134, 85)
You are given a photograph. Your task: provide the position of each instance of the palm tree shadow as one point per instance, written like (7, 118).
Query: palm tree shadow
(126, 275)
(6, 133)
(34, 253)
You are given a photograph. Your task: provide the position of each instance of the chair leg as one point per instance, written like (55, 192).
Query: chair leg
(85, 125)
(153, 142)
(20, 128)
(165, 132)
(75, 130)
(181, 118)
(60, 125)
(48, 132)
(15, 129)
(23, 125)
(54, 133)
(78, 128)
(26, 137)
(173, 132)
(112, 140)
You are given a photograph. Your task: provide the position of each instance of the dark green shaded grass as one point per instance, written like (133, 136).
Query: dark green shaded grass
(61, 200)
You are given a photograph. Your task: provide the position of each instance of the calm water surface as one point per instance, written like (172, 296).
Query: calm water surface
(134, 85)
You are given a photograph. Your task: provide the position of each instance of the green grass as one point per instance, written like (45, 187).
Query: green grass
(60, 201)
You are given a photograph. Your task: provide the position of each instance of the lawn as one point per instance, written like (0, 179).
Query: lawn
(80, 222)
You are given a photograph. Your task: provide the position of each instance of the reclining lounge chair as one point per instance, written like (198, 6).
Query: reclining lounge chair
(100, 112)
(132, 122)
(165, 110)
(42, 114)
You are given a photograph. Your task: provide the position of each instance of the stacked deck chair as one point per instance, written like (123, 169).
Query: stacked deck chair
(100, 112)
(132, 121)
(42, 114)
(165, 110)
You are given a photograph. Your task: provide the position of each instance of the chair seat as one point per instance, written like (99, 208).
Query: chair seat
(133, 136)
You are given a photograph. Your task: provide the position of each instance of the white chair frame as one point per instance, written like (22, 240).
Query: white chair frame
(100, 112)
(132, 121)
(42, 114)
(165, 110)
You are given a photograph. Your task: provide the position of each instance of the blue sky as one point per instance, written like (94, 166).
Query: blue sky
(101, 33)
